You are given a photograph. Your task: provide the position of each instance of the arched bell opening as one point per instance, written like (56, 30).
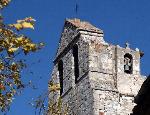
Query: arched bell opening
(128, 63)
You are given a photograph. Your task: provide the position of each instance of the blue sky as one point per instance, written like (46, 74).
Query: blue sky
(122, 21)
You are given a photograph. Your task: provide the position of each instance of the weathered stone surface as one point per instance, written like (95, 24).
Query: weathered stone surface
(103, 87)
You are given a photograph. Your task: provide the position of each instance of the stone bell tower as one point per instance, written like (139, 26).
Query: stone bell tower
(96, 78)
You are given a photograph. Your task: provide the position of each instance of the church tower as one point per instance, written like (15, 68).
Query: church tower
(96, 78)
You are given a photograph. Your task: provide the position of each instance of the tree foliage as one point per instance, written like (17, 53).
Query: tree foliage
(55, 105)
(13, 44)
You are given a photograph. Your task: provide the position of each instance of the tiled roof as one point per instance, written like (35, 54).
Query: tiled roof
(83, 25)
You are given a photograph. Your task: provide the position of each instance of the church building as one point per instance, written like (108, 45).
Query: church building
(95, 77)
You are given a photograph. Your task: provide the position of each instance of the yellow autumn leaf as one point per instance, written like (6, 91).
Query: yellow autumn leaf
(27, 25)
(20, 39)
(1, 66)
(32, 47)
(26, 50)
(1, 42)
(54, 87)
(12, 50)
(2, 87)
(15, 75)
(5, 2)
(18, 26)
(14, 67)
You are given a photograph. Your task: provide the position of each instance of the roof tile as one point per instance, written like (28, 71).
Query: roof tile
(84, 25)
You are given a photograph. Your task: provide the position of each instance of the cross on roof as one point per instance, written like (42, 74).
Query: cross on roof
(127, 45)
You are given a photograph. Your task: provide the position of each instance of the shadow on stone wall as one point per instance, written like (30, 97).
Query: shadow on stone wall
(143, 99)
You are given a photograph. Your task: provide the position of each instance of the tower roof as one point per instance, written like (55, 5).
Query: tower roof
(72, 28)
(83, 25)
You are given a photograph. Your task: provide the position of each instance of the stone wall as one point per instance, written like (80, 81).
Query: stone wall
(105, 102)
(77, 96)
(68, 34)
(128, 83)
(113, 89)
(102, 88)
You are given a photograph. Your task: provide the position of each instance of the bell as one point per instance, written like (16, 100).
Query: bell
(126, 67)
